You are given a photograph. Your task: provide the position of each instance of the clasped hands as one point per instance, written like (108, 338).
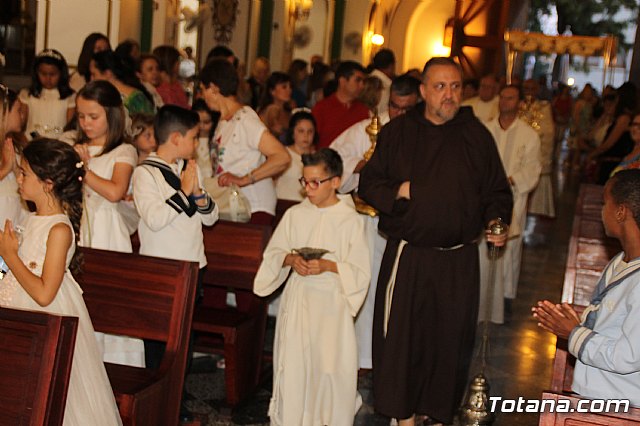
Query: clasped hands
(309, 267)
(559, 318)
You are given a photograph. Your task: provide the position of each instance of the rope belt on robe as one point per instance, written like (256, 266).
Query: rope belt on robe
(388, 299)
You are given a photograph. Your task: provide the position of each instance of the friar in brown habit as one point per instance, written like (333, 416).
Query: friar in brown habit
(437, 180)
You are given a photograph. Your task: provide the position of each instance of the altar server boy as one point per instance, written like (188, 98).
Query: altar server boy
(315, 352)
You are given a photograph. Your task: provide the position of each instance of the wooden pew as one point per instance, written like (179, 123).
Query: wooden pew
(589, 252)
(234, 253)
(36, 352)
(148, 298)
(562, 378)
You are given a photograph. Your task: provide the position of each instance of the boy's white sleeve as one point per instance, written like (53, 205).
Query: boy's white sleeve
(354, 272)
(152, 204)
(271, 273)
(619, 354)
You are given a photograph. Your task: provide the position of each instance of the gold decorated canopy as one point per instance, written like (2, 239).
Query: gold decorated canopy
(519, 41)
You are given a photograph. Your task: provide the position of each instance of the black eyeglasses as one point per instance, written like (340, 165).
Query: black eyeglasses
(313, 184)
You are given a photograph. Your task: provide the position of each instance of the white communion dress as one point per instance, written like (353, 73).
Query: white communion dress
(90, 400)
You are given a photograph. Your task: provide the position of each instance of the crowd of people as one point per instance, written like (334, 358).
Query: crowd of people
(123, 145)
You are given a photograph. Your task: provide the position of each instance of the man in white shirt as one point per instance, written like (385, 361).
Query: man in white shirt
(485, 105)
(519, 147)
(351, 145)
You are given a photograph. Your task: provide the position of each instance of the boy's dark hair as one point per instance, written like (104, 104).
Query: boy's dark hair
(55, 58)
(222, 74)
(57, 162)
(108, 97)
(404, 85)
(327, 157)
(172, 118)
(347, 68)
(625, 189)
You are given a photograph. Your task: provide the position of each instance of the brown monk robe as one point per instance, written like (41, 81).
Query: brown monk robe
(458, 186)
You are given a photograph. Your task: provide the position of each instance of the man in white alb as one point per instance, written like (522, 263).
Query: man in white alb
(485, 105)
(519, 148)
(384, 67)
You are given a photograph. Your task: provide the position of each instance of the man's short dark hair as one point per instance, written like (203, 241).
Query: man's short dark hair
(172, 118)
(327, 157)
(347, 68)
(514, 86)
(222, 74)
(442, 61)
(383, 59)
(405, 85)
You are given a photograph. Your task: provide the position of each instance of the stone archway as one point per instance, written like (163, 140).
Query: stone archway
(415, 30)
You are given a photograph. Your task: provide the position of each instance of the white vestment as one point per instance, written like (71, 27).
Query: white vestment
(383, 103)
(541, 201)
(519, 148)
(485, 111)
(351, 145)
(314, 354)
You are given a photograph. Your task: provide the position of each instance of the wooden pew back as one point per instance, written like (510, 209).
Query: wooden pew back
(234, 253)
(148, 298)
(36, 349)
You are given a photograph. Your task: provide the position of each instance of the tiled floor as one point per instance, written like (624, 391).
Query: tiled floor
(519, 362)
